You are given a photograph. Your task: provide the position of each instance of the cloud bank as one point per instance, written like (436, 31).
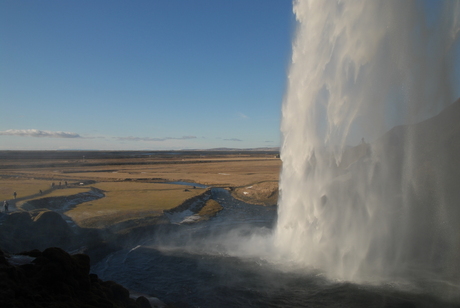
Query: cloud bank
(38, 133)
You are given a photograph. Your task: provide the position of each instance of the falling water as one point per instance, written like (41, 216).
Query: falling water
(355, 202)
(370, 186)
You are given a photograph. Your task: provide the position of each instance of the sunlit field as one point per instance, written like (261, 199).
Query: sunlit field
(125, 201)
(135, 185)
(24, 188)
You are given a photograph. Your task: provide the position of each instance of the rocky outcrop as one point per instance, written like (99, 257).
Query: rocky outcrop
(36, 229)
(39, 229)
(54, 278)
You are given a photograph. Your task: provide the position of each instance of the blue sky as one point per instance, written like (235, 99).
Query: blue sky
(135, 75)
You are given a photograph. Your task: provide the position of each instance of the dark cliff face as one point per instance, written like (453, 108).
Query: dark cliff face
(415, 170)
(29, 230)
(54, 278)
(40, 229)
(37, 229)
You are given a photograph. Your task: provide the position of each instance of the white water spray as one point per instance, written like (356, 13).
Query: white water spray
(358, 69)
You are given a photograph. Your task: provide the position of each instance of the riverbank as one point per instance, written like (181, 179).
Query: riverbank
(40, 224)
(103, 203)
(43, 222)
(44, 225)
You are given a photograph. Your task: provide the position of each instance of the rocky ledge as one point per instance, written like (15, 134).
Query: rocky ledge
(40, 229)
(54, 278)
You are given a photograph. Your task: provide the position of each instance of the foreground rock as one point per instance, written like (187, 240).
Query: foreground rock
(36, 229)
(54, 278)
(39, 229)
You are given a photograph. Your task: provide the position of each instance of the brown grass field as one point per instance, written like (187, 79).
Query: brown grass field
(134, 183)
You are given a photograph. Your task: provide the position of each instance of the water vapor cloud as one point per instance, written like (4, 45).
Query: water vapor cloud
(38, 133)
(131, 138)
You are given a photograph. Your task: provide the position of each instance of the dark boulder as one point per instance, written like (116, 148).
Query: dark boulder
(143, 302)
(49, 222)
(116, 291)
(18, 218)
(58, 279)
(24, 231)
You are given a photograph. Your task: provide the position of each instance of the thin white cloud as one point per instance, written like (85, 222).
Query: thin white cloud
(243, 116)
(38, 133)
(233, 139)
(131, 138)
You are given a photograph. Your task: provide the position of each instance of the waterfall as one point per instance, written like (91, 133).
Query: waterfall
(357, 200)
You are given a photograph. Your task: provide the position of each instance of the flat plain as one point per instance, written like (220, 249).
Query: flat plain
(135, 184)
